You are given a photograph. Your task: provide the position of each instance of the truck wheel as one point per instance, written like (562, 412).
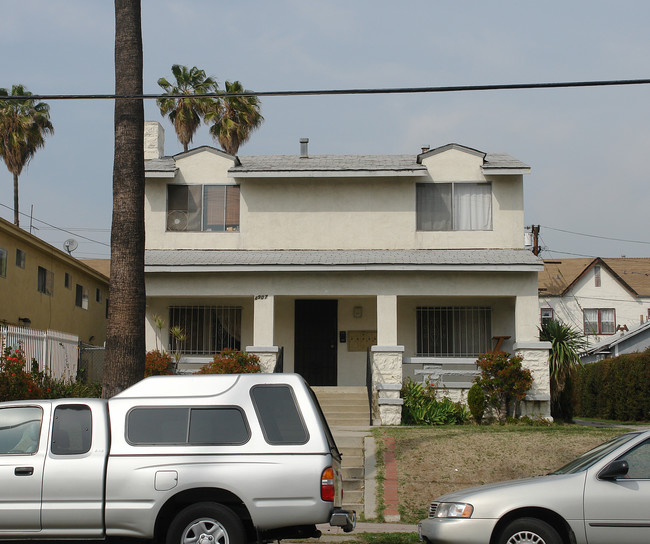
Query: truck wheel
(529, 531)
(206, 523)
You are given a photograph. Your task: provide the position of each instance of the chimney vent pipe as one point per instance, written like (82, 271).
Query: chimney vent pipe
(304, 144)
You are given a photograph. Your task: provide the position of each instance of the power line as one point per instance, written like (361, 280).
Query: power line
(596, 236)
(325, 92)
(58, 228)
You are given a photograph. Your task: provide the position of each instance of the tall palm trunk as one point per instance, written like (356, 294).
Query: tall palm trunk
(16, 214)
(125, 348)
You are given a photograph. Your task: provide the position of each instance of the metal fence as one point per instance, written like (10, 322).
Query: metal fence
(57, 353)
(91, 362)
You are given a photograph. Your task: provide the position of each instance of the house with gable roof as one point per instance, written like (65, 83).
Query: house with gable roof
(599, 297)
(350, 270)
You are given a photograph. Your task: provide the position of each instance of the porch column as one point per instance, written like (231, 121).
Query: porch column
(386, 365)
(263, 323)
(535, 356)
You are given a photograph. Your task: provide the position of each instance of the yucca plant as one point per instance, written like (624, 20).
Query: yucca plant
(566, 344)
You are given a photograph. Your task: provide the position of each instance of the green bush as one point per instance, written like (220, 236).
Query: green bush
(476, 402)
(421, 406)
(615, 388)
(231, 361)
(503, 380)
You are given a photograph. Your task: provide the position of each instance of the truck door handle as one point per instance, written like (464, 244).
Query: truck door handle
(24, 471)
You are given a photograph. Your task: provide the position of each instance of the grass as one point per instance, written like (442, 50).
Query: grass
(432, 461)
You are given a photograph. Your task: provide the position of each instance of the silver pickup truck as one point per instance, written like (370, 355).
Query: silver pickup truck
(225, 459)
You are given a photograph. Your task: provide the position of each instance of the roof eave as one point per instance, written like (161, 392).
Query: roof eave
(238, 174)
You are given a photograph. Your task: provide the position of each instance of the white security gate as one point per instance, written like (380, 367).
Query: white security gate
(56, 352)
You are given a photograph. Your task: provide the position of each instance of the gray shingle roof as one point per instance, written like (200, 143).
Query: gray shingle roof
(336, 163)
(502, 160)
(336, 258)
(327, 163)
(164, 164)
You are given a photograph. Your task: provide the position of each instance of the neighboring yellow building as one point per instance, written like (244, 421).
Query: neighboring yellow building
(45, 288)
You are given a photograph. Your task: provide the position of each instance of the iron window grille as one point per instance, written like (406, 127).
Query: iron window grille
(453, 331)
(208, 330)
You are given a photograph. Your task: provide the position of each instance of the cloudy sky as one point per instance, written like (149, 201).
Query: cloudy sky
(588, 147)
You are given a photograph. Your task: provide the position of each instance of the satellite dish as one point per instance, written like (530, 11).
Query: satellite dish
(70, 245)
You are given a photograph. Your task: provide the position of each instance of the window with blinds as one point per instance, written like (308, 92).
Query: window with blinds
(207, 208)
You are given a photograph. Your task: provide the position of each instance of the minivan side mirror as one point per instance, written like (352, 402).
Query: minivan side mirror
(616, 469)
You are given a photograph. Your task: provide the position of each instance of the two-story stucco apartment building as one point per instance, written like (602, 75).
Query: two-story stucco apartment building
(42, 287)
(347, 267)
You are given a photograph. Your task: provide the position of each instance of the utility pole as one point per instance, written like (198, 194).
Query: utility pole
(534, 229)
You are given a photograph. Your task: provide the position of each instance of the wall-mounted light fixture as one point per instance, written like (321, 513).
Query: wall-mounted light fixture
(357, 311)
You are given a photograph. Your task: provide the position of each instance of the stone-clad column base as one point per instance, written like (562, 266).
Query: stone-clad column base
(386, 363)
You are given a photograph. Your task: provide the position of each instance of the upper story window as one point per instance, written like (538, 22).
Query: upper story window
(453, 206)
(81, 297)
(20, 258)
(3, 263)
(207, 208)
(45, 281)
(600, 320)
(67, 281)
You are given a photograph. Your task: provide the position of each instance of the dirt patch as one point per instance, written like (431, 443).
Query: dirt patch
(436, 460)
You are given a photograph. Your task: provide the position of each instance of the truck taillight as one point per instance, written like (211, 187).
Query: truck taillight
(327, 485)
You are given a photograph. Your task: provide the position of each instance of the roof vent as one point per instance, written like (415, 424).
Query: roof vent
(425, 148)
(304, 144)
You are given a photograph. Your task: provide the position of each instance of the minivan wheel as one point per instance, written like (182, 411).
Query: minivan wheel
(529, 531)
(206, 523)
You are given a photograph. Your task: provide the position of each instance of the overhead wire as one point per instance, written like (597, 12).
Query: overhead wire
(325, 92)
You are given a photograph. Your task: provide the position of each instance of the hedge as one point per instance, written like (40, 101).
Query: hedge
(616, 388)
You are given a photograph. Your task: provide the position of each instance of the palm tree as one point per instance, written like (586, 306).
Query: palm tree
(125, 349)
(186, 113)
(566, 343)
(24, 123)
(233, 118)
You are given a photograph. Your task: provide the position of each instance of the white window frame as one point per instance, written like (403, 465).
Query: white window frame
(550, 315)
(81, 297)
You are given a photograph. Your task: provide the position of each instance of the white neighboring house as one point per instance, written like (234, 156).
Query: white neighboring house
(600, 297)
(350, 270)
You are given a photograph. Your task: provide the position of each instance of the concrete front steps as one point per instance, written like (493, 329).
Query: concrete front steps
(348, 415)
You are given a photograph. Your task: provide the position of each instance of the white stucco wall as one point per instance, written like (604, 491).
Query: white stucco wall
(334, 213)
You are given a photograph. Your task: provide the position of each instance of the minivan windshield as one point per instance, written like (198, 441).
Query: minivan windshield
(594, 455)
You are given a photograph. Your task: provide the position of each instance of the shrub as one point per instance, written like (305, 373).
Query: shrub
(503, 380)
(157, 363)
(231, 361)
(15, 382)
(476, 402)
(421, 407)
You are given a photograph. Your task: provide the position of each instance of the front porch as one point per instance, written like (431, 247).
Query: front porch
(374, 342)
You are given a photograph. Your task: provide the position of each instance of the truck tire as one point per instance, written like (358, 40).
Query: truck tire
(206, 523)
(529, 531)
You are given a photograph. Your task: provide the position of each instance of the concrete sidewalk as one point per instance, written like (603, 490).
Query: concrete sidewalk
(336, 534)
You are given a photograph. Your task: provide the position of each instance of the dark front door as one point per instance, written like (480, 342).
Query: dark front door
(316, 341)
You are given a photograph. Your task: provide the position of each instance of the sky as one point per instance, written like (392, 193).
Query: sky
(588, 148)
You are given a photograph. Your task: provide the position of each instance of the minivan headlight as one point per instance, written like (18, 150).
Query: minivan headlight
(454, 510)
